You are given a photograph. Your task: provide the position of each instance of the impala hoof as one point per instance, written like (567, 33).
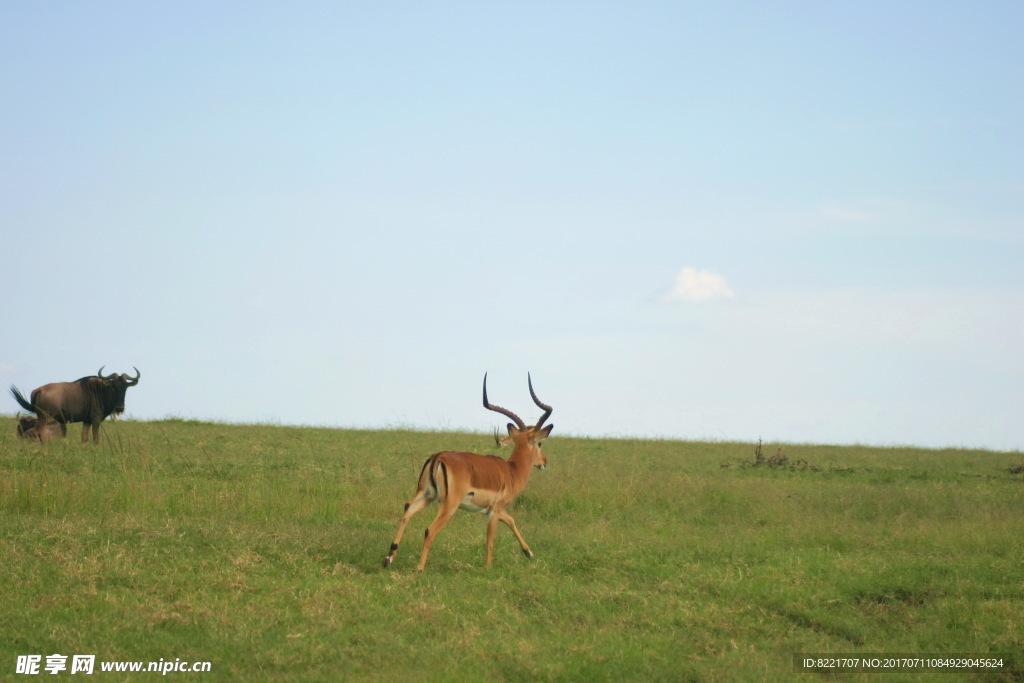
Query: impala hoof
(387, 562)
(528, 553)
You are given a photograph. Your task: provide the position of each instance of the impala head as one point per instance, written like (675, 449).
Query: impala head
(519, 434)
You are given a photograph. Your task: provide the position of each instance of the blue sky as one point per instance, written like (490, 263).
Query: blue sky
(796, 221)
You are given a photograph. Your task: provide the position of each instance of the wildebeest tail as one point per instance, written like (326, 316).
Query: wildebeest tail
(21, 399)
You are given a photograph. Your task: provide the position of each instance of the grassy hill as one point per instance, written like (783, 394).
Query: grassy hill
(258, 549)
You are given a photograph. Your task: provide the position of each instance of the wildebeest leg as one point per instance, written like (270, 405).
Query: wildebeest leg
(95, 432)
(85, 432)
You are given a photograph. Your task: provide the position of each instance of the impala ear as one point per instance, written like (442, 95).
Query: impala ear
(512, 429)
(544, 433)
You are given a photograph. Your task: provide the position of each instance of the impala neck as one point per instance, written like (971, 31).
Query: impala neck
(521, 464)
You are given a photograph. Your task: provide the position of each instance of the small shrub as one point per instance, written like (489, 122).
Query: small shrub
(779, 460)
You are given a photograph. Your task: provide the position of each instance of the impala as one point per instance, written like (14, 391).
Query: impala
(479, 483)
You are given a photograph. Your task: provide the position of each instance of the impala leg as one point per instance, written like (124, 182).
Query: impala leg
(448, 508)
(511, 523)
(492, 526)
(411, 508)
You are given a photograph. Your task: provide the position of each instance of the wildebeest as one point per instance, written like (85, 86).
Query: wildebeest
(29, 428)
(89, 400)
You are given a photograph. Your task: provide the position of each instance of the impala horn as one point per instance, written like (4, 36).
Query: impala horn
(547, 409)
(504, 411)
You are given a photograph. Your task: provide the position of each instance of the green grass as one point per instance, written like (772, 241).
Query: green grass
(258, 549)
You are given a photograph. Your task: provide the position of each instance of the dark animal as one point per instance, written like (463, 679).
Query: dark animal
(28, 428)
(89, 400)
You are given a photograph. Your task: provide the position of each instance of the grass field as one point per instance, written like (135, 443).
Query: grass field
(258, 549)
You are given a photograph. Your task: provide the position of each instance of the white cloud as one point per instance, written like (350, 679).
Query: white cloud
(693, 284)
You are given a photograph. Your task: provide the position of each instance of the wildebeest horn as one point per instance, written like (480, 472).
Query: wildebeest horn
(102, 376)
(132, 381)
(545, 406)
(498, 409)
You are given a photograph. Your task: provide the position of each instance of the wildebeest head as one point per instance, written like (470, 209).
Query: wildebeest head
(29, 427)
(119, 384)
(26, 423)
